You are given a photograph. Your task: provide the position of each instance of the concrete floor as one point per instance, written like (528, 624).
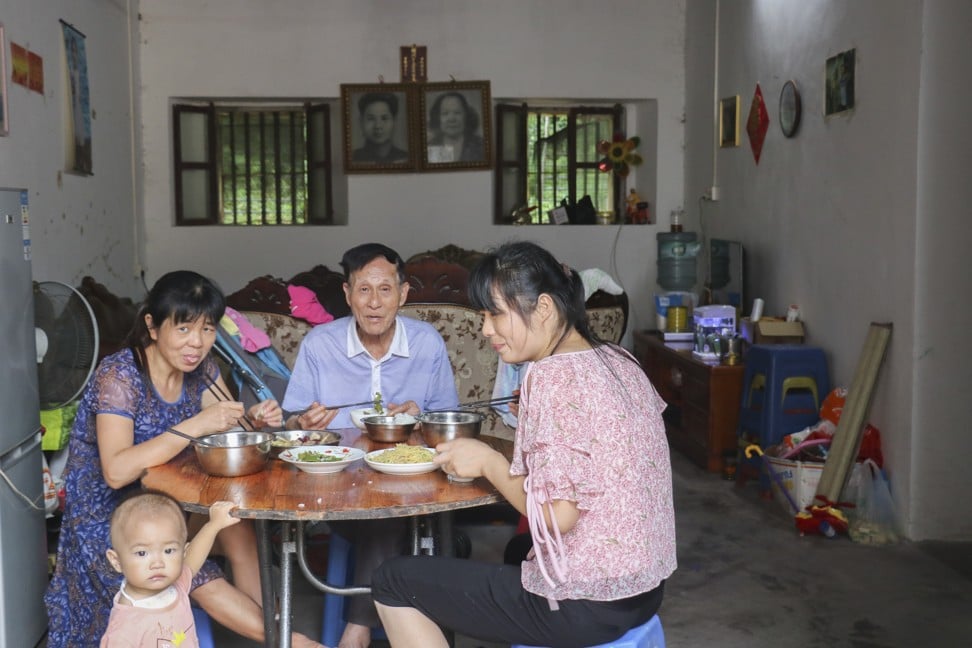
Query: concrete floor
(747, 578)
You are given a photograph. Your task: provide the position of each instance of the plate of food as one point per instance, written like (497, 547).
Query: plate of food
(321, 458)
(403, 459)
(298, 438)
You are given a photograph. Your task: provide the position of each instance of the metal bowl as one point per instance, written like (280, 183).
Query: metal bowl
(358, 414)
(446, 426)
(295, 438)
(234, 454)
(386, 429)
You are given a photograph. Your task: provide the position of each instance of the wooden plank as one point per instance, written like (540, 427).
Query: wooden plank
(847, 437)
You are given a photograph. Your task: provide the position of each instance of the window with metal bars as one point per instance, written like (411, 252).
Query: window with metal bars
(546, 155)
(253, 165)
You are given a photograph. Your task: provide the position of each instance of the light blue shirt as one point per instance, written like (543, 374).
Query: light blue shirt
(333, 368)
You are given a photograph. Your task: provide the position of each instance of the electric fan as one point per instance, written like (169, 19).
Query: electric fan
(67, 342)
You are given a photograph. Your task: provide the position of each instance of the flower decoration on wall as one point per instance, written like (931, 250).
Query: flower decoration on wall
(619, 154)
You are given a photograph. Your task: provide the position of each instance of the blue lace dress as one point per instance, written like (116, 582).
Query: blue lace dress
(79, 596)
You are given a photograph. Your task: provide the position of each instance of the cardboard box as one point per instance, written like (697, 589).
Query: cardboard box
(771, 330)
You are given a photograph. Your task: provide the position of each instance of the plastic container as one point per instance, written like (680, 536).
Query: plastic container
(677, 252)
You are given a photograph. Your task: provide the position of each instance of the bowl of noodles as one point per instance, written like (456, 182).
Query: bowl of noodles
(403, 459)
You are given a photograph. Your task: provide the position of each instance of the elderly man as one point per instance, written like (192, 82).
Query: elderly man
(373, 350)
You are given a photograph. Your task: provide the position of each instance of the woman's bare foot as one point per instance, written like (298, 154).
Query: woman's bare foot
(355, 636)
(298, 640)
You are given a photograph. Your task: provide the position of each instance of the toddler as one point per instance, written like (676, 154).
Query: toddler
(148, 547)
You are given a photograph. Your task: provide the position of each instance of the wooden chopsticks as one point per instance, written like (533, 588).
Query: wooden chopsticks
(221, 395)
(482, 403)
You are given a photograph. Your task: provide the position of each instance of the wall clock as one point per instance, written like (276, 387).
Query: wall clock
(789, 109)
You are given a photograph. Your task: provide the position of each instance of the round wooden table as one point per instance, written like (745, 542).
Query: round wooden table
(284, 493)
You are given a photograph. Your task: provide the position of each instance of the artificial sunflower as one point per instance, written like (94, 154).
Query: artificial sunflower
(620, 154)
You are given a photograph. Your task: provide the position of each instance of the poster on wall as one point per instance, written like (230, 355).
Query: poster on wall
(79, 156)
(18, 60)
(35, 72)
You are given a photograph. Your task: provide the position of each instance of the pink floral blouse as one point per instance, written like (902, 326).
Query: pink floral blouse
(590, 431)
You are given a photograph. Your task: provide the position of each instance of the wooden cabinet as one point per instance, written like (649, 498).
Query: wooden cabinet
(703, 399)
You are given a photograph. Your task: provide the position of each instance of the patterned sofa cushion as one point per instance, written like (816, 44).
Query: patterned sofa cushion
(607, 323)
(285, 332)
(473, 359)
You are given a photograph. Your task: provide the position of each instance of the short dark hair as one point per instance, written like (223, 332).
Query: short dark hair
(182, 296)
(360, 256)
(520, 272)
(471, 122)
(369, 98)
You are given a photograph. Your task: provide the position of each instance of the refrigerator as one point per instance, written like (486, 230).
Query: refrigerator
(23, 535)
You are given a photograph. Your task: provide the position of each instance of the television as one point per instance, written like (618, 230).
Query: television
(725, 273)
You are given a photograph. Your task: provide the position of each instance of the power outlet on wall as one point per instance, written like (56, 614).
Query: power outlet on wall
(711, 194)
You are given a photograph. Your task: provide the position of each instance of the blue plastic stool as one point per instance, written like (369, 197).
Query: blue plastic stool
(204, 628)
(648, 635)
(783, 388)
(340, 571)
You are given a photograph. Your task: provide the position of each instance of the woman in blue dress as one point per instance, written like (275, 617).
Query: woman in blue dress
(165, 378)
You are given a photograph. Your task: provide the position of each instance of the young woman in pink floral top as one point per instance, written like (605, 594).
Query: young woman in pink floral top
(590, 471)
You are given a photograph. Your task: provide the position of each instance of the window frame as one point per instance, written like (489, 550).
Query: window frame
(520, 164)
(319, 209)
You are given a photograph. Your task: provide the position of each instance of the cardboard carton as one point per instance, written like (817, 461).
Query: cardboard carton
(771, 330)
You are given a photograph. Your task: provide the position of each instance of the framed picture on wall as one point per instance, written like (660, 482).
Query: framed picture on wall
(4, 113)
(455, 128)
(839, 83)
(378, 127)
(729, 121)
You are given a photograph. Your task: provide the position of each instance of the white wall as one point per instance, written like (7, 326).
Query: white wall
(79, 225)
(943, 316)
(831, 219)
(274, 48)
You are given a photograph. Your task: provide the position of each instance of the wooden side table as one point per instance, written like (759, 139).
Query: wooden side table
(703, 399)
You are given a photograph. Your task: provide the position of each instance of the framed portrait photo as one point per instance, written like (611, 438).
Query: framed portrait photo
(455, 131)
(378, 127)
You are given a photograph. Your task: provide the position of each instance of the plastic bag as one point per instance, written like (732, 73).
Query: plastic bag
(873, 521)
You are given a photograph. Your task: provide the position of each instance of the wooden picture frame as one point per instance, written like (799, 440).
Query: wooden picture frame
(4, 106)
(455, 131)
(839, 73)
(729, 109)
(379, 133)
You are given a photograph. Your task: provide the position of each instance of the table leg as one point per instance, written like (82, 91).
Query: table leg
(265, 557)
(287, 550)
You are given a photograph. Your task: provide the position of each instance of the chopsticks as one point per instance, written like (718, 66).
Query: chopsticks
(221, 395)
(334, 407)
(482, 403)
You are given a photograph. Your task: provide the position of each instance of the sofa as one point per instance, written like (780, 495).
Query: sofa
(437, 295)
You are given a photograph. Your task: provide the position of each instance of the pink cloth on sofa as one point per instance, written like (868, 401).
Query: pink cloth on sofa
(252, 338)
(304, 305)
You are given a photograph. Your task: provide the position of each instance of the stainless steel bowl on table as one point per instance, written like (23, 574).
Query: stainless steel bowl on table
(234, 454)
(388, 428)
(446, 426)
